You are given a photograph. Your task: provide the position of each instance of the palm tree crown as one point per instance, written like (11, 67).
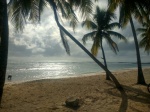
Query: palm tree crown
(102, 28)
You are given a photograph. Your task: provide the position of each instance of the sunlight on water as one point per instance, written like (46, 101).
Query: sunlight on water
(51, 70)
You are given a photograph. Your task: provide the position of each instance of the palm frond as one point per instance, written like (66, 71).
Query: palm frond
(65, 42)
(118, 35)
(89, 24)
(61, 7)
(145, 24)
(139, 13)
(145, 43)
(34, 11)
(95, 46)
(85, 6)
(99, 17)
(145, 37)
(112, 45)
(72, 16)
(18, 19)
(112, 5)
(110, 16)
(22, 10)
(124, 16)
(67, 12)
(143, 34)
(141, 30)
(112, 26)
(103, 17)
(88, 36)
(42, 4)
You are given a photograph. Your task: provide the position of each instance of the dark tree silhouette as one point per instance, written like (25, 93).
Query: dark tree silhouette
(3, 44)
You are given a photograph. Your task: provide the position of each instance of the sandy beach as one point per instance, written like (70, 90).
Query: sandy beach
(94, 92)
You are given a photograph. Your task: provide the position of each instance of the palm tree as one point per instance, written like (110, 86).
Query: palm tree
(145, 35)
(3, 44)
(128, 8)
(102, 29)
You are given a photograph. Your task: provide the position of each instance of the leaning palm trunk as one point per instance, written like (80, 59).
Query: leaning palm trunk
(105, 63)
(140, 79)
(3, 44)
(124, 102)
(118, 85)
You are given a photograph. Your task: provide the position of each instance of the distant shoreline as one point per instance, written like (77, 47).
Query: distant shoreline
(22, 72)
(77, 76)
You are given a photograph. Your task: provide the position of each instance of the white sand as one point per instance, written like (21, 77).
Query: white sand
(95, 94)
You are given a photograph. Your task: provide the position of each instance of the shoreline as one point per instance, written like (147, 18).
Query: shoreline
(77, 76)
(95, 93)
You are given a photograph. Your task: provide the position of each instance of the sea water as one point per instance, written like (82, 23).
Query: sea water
(29, 71)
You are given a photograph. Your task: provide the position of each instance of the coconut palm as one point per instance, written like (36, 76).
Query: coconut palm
(102, 27)
(3, 44)
(145, 35)
(127, 9)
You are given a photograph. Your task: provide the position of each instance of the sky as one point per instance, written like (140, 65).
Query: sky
(42, 42)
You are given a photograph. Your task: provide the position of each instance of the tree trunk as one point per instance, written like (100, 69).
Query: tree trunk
(105, 63)
(118, 85)
(4, 44)
(140, 79)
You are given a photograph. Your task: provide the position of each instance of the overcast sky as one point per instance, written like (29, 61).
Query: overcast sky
(42, 42)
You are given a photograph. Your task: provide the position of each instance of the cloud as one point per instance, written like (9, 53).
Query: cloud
(42, 41)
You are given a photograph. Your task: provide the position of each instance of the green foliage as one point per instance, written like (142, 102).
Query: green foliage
(102, 29)
(65, 42)
(22, 10)
(128, 8)
(145, 36)
(85, 6)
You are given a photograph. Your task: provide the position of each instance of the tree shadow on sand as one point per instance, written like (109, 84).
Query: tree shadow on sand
(133, 94)
(124, 102)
